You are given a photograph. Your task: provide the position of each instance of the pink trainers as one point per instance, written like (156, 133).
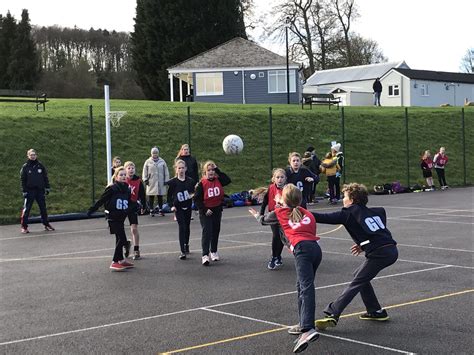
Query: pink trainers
(117, 266)
(24, 230)
(126, 264)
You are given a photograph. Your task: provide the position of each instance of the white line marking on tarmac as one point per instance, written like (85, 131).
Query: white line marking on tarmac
(243, 317)
(367, 344)
(405, 245)
(321, 334)
(427, 220)
(195, 309)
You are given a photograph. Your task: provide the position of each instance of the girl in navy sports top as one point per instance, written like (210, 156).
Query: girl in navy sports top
(299, 227)
(180, 193)
(299, 175)
(116, 200)
(367, 228)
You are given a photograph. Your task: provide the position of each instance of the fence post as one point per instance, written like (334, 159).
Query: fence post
(91, 151)
(270, 123)
(407, 146)
(189, 127)
(343, 142)
(463, 133)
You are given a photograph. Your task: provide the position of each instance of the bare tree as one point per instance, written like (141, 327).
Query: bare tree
(467, 62)
(346, 11)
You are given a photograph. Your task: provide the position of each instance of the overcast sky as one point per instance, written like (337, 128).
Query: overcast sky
(427, 34)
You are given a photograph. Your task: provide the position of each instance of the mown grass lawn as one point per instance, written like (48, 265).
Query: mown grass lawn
(374, 146)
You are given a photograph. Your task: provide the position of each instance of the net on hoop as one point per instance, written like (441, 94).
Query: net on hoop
(115, 116)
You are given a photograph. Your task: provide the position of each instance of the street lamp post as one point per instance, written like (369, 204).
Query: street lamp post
(287, 62)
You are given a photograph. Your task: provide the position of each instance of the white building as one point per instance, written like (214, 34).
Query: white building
(352, 84)
(402, 86)
(408, 87)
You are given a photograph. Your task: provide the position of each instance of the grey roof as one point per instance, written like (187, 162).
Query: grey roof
(236, 53)
(361, 72)
(437, 75)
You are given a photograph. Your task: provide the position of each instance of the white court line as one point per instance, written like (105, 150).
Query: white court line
(58, 232)
(324, 287)
(321, 334)
(405, 260)
(105, 249)
(427, 220)
(365, 343)
(244, 317)
(407, 245)
(428, 208)
(192, 310)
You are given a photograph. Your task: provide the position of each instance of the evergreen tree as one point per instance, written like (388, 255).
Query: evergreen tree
(7, 36)
(23, 66)
(168, 32)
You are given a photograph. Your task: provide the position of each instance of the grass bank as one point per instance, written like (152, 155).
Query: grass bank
(375, 142)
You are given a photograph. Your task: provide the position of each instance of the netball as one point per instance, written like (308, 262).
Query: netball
(232, 144)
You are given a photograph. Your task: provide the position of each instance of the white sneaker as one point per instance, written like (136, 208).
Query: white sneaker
(215, 256)
(205, 260)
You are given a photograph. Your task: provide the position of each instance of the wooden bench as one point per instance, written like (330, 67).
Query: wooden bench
(320, 99)
(24, 96)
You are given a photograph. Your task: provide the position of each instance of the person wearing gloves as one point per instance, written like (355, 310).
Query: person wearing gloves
(155, 174)
(338, 155)
(35, 186)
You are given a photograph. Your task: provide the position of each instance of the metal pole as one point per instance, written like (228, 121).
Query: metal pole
(270, 123)
(407, 146)
(91, 131)
(107, 133)
(343, 142)
(189, 127)
(287, 64)
(463, 145)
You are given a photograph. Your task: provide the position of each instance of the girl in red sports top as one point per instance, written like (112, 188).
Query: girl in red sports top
(208, 199)
(440, 160)
(426, 166)
(299, 227)
(271, 195)
(137, 204)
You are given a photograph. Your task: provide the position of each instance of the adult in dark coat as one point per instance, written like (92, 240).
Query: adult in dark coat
(377, 87)
(34, 185)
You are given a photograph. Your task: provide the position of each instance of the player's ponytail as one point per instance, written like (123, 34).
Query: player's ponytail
(292, 197)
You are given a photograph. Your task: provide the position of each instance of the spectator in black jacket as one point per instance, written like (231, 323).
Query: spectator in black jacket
(35, 185)
(367, 228)
(191, 163)
(377, 87)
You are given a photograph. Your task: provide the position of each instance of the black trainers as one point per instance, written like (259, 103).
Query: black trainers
(295, 330)
(182, 256)
(271, 264)
(327, 322)
(136, 255)
(380, 315)
(48, 227)
(127, 246)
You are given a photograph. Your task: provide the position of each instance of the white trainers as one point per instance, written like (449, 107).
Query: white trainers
(215, 256)
(304, 339)
(205, 260)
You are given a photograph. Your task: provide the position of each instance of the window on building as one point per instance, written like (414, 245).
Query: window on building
(393, 90)
(277, 81)
(208, 84)
(424, 89)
